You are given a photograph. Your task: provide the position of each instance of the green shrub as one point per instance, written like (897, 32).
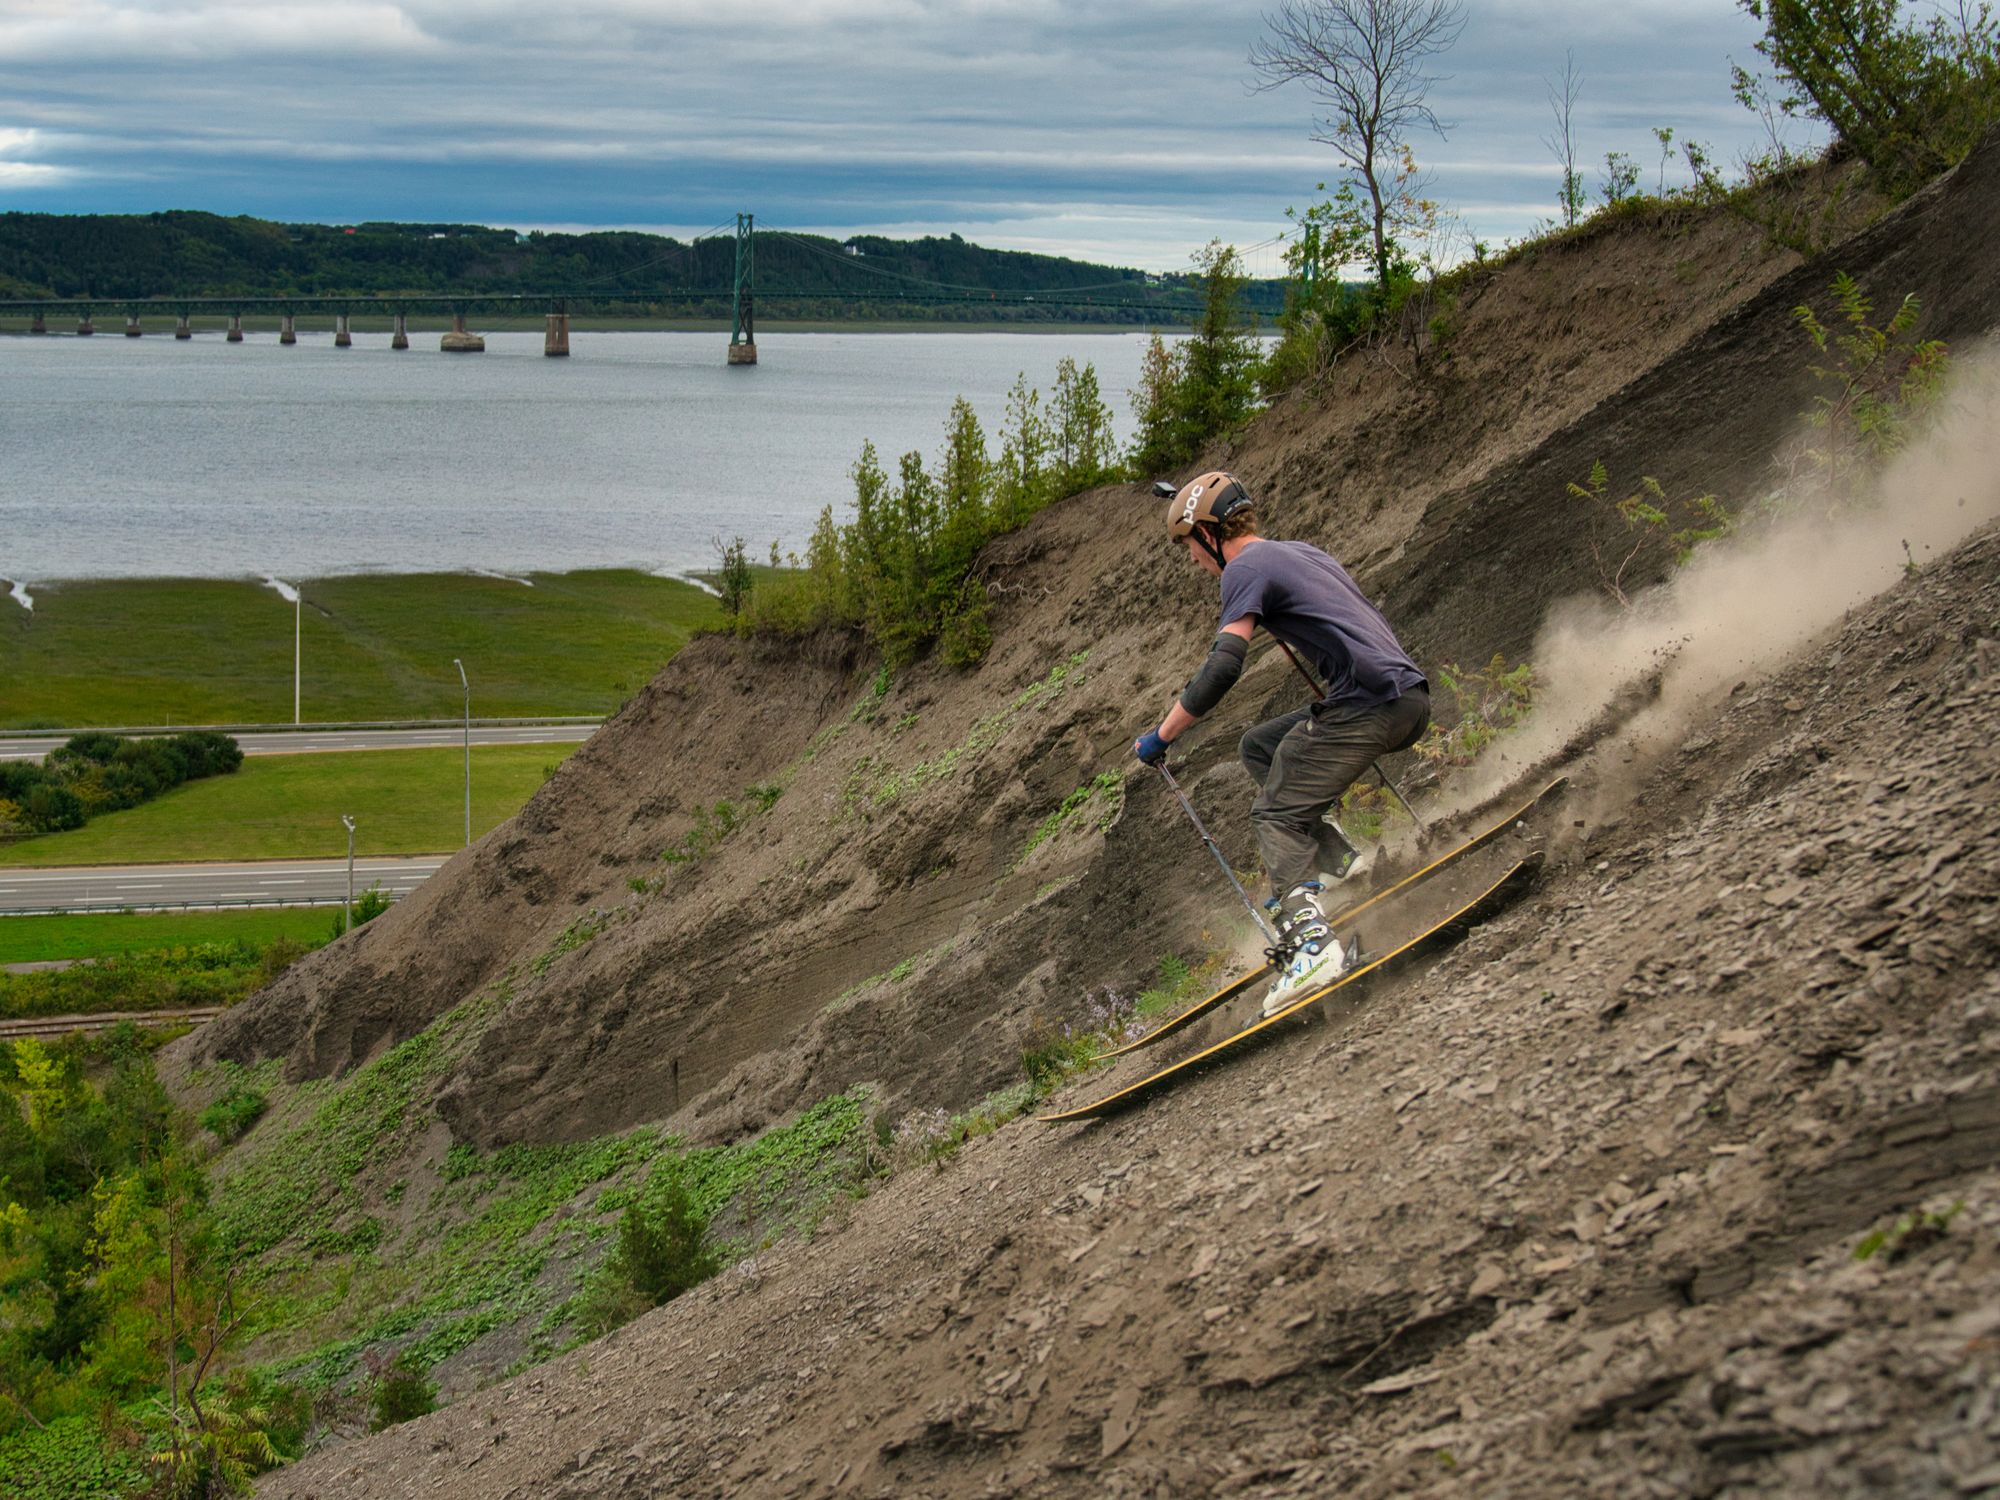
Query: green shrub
(398, 1390)
(1909, 97)
(663, 1250)
(234, 1112)
(369, 905)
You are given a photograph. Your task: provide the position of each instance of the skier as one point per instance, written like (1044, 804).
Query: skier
(1375, 702)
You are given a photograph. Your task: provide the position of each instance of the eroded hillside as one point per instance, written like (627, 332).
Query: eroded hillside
(899, 837)
(1575, 1211)
(1567, 1195)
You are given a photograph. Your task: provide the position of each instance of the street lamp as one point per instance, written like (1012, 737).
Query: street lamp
(298, 630)
(349, 823)
(468, 748)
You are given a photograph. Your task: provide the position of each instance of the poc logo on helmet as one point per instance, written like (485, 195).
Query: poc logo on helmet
(1193, 501)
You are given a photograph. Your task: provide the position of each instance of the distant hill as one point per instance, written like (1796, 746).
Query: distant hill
(116, 256)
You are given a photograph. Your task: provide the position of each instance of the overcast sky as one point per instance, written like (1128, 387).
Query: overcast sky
(1120, 132)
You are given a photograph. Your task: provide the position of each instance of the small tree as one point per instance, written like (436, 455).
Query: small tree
(1364, 62)
(732, 574)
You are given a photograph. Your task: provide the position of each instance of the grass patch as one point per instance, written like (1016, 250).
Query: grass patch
(289, 807)
(37, 939)
(334, 1286)
(375, 646)
(1107, 788)
(161, 979)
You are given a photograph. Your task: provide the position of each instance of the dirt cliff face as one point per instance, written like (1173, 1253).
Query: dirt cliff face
(899, 841)
(1583, 1208)
(1677, 1178)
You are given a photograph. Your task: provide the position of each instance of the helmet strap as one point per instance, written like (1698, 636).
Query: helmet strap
(1207, 534)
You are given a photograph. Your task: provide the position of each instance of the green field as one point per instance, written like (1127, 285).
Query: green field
(37, 939)
(375, 646)
(289, 807)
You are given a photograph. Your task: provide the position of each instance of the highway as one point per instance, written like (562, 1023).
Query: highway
(289, 882)
(303, 741)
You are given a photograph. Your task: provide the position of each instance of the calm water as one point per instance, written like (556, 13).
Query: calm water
(149, 456)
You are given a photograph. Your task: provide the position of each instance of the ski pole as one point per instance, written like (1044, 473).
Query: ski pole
(1235, 884)
(1394, 790)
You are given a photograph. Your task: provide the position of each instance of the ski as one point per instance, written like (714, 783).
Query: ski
(1409, 882)
(1487, 903)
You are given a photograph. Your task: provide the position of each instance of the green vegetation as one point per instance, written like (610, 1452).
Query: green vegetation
(871, 784)
(374, 646)
(1886, 383)
(398, 1390)
(1916, 1230)
(1205, 385)
(289, 806)
(37, 939)
(369, 905)
(132, 255)
(159, 979)
(118, 1299)
(901, 568)
(1638, 530)
(663, 1250)
(92, 773)
(1908, 97)
(572, 937)
(1486, 703)
(1107, 787)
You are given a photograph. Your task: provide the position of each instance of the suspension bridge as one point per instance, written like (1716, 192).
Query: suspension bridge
(612, 293)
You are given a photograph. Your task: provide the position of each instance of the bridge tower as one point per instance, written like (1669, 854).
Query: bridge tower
(743, 335)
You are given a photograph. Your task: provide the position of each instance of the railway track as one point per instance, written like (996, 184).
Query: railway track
(13, 1030)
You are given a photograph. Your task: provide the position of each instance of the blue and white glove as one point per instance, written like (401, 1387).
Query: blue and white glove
(1150, 748)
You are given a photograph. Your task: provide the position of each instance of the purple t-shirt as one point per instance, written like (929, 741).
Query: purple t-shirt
(1305, 599)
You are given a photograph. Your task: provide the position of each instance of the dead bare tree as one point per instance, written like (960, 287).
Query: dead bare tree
(1562, 145)
(1364, 61)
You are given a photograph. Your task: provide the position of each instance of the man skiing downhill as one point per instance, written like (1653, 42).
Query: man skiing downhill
(1375, 702)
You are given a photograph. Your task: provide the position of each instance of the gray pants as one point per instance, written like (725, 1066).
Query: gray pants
(1303, 761)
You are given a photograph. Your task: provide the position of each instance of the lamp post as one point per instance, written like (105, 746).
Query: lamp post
(468, 748)
(298, 627)
(348, 822)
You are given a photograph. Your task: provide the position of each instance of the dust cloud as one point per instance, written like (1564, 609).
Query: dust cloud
(1746, 604)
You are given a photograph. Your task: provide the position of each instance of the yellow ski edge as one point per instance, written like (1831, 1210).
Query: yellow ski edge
(1236, 987)
(1095, 1107)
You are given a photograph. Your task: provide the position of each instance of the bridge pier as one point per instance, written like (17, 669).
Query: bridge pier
(400, 339)
(458, 341)
(132, 328)
(555, 341)
(181, 328)
(235, 334)
(287, 332)
(342, 339)
(744, 353)
(40, 324)
(84, 327)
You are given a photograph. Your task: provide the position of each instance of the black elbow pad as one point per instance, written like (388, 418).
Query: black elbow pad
(1217, 675)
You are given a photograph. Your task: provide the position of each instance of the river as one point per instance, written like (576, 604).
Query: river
(199, 458)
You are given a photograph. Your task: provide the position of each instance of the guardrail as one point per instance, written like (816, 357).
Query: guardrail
(88, 908)
(334, 725)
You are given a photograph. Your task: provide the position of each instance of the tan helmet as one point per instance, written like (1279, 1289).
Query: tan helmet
(1201, 505)
(1204, 501)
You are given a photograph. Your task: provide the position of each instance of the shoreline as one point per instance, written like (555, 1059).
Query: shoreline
(688, 577)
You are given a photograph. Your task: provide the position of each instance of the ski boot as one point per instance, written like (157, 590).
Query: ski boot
(1307, 954)
(1338, 859)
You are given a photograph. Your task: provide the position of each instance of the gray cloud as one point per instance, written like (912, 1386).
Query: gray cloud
(1117, 131)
